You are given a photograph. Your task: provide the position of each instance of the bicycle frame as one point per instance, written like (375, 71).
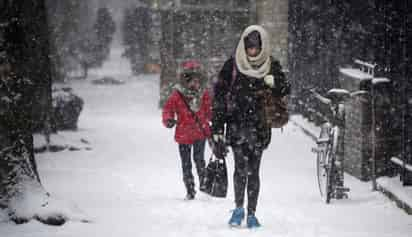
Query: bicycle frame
(329, 171)
(326, 157)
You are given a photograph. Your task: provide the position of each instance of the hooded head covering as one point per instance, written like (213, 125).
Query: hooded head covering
(258, 66)
(189, 70)
(253, 40)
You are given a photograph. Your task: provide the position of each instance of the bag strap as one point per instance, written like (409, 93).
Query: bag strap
(232, 82)
(234, 74)
(233, 79)
(197, 120)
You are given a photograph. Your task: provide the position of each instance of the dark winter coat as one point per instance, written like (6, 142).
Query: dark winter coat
(238, 104)
(187, 130)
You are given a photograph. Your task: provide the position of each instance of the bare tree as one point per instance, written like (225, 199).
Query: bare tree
(93, 48)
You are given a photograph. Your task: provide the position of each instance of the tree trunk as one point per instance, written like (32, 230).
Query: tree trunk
(85, 67)
(26, 75)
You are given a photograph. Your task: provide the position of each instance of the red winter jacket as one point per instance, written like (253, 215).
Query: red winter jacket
(187, 130)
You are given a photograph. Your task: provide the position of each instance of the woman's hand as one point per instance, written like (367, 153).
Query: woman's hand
(219, 146)
(269, 80)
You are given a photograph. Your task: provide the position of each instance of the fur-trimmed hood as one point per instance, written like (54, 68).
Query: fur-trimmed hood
(258, 66)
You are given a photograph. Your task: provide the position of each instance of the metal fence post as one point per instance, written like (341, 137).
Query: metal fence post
(373, 163)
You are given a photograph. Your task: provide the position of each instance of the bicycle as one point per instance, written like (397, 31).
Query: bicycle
(330, 144)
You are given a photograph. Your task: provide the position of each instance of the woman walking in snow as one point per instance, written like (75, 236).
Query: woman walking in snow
(238, 108)
(189, 108)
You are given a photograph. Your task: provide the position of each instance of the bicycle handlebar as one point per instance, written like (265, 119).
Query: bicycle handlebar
(328, 101)
(359, 92)
(320, 97)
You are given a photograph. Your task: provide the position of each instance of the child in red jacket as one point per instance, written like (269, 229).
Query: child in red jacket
(189, 108)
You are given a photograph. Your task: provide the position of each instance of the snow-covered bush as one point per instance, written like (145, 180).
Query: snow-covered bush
(107, 80)
(66, 109)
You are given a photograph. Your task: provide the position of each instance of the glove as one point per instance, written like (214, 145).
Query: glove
(219, 146)
(269, 80)
(285, 90)
(170, 123)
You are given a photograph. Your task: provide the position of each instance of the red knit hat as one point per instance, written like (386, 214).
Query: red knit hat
(190, 69)
(191, 64)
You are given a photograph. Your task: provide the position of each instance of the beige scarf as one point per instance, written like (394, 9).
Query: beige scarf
(258, 66)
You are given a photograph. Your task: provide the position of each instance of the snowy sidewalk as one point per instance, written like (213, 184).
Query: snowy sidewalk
(130, 182)
(393, 188)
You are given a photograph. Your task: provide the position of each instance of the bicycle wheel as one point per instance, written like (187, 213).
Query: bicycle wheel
(322, 168)
(330, 183)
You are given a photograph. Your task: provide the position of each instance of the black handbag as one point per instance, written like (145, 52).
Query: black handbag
(215, 181)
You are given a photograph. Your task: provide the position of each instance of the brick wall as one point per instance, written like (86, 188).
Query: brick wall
(357, 124)
(273, 15)
(357, 137)
(201, 30)
(361, 135)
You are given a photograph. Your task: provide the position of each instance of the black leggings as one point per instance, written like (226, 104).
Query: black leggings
(247, 164)
(198, 156)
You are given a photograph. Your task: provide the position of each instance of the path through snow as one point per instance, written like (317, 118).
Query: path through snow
(130, 182)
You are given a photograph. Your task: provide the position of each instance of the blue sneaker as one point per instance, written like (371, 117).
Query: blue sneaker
(252, 222)
(237, 216)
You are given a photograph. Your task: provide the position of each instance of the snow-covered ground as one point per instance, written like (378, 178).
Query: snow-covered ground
(130, 183)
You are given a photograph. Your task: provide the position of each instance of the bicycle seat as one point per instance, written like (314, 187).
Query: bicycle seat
(337, 95)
